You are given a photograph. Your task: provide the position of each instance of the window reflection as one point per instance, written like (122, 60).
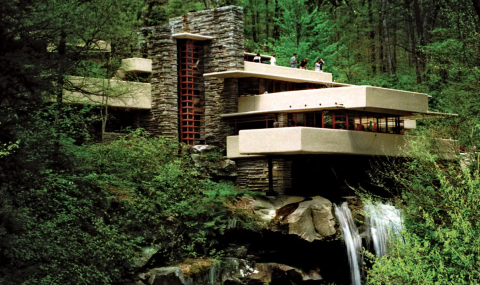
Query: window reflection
(339, 120)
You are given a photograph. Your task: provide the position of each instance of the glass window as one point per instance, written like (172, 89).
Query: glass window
(340, 120)
(310, 120)
(300, 119)
(382, 124)
(392, 125)
(351, 120)
(327, 119)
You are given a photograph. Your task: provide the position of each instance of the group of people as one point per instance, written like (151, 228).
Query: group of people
(303, 64)
(293, 62)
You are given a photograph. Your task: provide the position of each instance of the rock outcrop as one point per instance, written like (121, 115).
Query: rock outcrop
(310, 219)
(208, 159)
(229, 271)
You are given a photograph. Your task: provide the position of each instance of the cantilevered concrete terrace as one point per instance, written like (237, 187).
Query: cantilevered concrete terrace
(361, 98)
(122, 94)
(267, 71)
(305, 140)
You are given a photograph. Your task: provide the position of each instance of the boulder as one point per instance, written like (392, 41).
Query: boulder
(166, 276)
(279, 272)
(266, 207)
(203, 149)
(310, 219)
(142, 257)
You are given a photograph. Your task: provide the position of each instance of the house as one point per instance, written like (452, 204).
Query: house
(279, 124)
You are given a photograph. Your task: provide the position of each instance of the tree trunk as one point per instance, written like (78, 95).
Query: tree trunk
(276, 32)
(476, 6)
(386, 40)
(254, 25)
(267, 20)
(371, 36)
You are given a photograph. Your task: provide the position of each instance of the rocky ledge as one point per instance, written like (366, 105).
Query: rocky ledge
(308, 218)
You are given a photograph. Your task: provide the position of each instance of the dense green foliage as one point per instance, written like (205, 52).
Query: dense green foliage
(73, 211)
(76, 212)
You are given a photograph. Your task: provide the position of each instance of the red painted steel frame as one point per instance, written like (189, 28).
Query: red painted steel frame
(192, 111)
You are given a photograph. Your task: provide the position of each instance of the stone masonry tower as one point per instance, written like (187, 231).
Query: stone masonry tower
(186, 105)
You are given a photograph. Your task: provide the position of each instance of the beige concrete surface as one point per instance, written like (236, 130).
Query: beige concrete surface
(287, 71)
(361, 98)
(304, 140)
(136, 65)
(410, 124)
(232, 149)
(191, 36)
(123, 94)
(262, 55)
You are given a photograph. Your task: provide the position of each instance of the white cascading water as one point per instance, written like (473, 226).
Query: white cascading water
(352, 240)
(384, 222)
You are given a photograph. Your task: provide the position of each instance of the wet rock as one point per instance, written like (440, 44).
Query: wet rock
(266, 207)
(210, 161)
(144, 255)
(313, 219)
(310, 219)
(279, 272)
(166, 276)
(203, 149)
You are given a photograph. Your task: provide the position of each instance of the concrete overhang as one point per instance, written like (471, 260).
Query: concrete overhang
(262, 55)
(136, 65)
(294, 110)
(246, 74)
(190, 36)
(281, 73)
(360, 98)
(305, 140)
(123, 94)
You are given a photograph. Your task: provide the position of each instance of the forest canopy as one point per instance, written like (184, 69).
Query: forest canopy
(73, 212)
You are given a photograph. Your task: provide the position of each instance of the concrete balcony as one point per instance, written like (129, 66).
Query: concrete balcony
(136, 65)
(121, 94)
(281, 73)
(304, 140)
(361, 98)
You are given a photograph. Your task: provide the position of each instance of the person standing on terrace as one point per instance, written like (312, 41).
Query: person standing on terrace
(257, 58)
(273, 60)
(303, 64)
(319, 65)
(293, 61)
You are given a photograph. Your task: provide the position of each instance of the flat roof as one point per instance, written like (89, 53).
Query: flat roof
(245, 74)
(290, 110)
(262, 55)
(191, 36)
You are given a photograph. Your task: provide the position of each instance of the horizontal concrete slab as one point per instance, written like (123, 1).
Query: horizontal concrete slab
(121, 94)
(304, 140)
(258, 70)
(361, 98)
(232, 149)
(136, 65)
(191, 36)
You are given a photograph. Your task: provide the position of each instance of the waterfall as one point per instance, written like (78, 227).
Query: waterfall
(352, 240)
(384, 222)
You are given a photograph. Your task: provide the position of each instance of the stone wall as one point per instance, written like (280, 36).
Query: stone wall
(253, 174)
(163, 118)
(223, 53)
(282, 175)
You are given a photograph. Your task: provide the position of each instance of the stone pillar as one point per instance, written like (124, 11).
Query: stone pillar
(253, 174)
(163, 118)
(223, 53)
(282, 175)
